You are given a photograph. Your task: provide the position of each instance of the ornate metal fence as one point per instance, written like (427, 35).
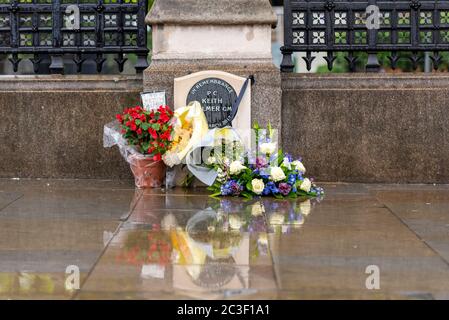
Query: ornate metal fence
(43, 28)
(333, 26)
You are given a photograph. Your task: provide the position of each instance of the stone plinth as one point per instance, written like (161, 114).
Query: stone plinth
(232, 36)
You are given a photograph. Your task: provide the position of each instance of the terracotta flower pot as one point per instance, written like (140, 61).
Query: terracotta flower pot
(147, 172)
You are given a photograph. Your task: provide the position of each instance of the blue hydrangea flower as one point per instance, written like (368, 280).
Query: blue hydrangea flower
(266, 191)
(292, 179)
(272, 186)
(226, 189)
(231, 188)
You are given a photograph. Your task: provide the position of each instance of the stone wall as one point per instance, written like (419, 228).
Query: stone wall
(52, 126)
(369, 127)
(358, 127)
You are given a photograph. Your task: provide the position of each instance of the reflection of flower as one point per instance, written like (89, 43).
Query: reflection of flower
(277, 218)
(257, 209)
(168, 222)
(305, 207)
(235, 222)
(143, 247)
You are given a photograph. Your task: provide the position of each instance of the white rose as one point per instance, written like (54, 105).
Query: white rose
(236, 167)
(268, 147)
(305, 207)
(211, 160)
(306, 185)
(286, 163)
(299, 166)
(277, 219)
(234, 222)
(257, 209)
(258, 186)
(277, 174)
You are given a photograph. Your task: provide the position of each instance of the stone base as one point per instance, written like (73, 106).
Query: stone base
(266, 91)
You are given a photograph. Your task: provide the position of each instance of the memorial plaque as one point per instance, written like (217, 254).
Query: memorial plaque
(217, 92)
(217, 97)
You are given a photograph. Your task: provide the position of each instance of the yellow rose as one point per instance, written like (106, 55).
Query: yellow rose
(258, 186)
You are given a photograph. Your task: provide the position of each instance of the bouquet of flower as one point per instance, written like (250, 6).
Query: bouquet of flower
(150, 131)
(264, 173)
(143, 137)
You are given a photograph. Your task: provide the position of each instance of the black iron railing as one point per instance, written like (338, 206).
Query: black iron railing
(43, 28)
(372, 26)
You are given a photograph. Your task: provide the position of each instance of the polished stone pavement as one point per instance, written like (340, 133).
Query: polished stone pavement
(151, 244)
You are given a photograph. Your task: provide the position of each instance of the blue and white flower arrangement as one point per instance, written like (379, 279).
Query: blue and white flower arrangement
(265, 172)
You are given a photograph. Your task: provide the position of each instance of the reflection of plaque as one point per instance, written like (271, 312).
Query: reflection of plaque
(217, 97)
(153, 100)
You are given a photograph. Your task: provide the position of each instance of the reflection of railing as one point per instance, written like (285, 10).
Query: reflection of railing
(43, 28)
(365, 26)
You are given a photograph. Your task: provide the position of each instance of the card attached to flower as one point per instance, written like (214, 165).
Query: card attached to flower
(153, 100)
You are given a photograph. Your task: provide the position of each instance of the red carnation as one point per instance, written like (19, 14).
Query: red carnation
(153, 133)
(157, 141)
(164, 117)
(166, 135)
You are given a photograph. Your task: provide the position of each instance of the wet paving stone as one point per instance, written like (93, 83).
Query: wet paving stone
(182, 244)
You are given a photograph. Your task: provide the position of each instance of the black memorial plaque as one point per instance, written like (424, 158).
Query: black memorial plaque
(217, 98)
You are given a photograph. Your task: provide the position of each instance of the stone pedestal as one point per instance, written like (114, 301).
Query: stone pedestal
(232, 36)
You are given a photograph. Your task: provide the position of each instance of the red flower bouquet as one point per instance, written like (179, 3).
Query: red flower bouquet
(150, 132)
